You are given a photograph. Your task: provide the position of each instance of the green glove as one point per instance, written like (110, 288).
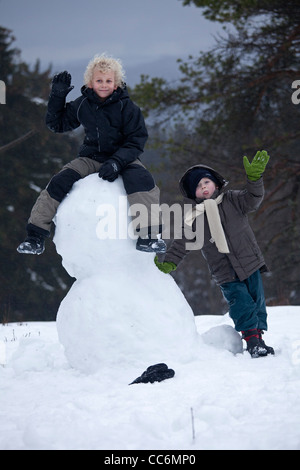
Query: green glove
(165, 267)
(255, 169)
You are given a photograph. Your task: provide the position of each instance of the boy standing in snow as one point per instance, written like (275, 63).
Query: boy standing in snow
(115, 135)
(228, 244)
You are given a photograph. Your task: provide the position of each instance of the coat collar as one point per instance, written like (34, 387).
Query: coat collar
(117, 95)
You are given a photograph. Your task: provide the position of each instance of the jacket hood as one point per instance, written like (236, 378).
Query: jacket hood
(183, 181)
(118, 94)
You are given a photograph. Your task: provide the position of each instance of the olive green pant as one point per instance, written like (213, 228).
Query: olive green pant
(139, 184)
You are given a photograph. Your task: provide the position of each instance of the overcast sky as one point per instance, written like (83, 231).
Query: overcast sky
(134, 30)
(147, 35)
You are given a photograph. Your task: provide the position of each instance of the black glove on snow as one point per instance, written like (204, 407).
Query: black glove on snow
(61, 84)
(155, 373)
(110, 170)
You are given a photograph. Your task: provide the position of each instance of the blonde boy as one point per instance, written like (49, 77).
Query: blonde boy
(115, 136)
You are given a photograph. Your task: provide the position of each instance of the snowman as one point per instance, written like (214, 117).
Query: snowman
(121, 311)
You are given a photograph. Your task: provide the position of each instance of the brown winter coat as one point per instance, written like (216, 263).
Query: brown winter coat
(245, 256)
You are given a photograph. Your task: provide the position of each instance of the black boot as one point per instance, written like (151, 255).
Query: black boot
(32, 245)
(268, 348)
(151, 245)
(254, 344)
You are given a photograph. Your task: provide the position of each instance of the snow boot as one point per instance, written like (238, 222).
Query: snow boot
(255, 345)
(268, 348)
(32, 245)
(151, 245)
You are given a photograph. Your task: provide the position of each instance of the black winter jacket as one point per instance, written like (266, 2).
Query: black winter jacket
(113, 128)
(245, 256)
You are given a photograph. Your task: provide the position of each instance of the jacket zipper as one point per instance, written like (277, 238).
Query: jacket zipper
(98, 138)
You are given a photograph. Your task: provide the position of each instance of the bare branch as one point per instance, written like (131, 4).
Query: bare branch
(18, 140)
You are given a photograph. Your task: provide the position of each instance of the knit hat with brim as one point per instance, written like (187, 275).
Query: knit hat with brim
(193, 178)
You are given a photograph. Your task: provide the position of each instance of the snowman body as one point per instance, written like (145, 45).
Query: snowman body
(121, 310)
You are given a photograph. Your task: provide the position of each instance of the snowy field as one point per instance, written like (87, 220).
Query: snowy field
(64, 385)
(237, 402)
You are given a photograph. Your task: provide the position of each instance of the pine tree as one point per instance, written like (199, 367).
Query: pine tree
(31, 288)
(235, 100)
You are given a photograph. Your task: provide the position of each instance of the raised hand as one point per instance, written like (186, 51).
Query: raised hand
(255, 169)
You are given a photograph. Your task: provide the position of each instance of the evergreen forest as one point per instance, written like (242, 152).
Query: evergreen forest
(239, 97)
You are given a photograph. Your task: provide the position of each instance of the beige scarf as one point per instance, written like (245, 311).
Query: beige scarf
(210, 206)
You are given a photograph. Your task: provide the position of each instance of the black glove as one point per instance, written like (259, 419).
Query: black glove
(155, 373)
(110, 170)
(61, 84)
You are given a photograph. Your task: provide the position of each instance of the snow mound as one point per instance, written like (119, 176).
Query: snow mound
(224, 337)
(121, 309)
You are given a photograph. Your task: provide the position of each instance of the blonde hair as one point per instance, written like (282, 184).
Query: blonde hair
(103, 63)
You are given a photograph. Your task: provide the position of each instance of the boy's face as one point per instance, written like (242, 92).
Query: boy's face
(103, 84)
(205, 188)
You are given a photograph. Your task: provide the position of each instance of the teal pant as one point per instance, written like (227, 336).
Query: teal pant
(246, 301)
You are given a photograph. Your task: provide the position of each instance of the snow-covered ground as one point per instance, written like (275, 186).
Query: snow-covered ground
(64, 385)
(237, 402)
